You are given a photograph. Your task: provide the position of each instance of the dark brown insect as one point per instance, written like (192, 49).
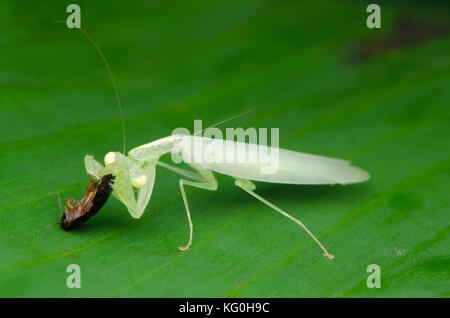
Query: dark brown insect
(77, 212)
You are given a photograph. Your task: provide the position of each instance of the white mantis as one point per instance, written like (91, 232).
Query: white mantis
(135, 174)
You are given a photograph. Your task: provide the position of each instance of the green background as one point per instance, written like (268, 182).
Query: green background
(378, 97)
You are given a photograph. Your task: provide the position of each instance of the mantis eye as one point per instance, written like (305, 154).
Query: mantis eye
(140, 181)
(110, 157)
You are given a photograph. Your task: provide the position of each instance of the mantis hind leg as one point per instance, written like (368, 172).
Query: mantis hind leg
(248, 186)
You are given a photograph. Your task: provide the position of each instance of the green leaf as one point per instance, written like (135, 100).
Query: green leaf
(313, 69)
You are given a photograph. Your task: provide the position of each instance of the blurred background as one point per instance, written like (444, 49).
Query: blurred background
(313, 69)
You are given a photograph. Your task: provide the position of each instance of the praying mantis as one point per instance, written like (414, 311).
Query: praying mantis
(136, 172)
(131, 177)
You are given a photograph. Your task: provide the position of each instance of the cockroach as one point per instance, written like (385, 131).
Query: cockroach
(77, 212)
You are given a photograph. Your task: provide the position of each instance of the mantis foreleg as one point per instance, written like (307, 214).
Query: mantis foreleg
(128, 177)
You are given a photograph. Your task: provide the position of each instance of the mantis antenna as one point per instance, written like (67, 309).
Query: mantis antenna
(224, 121)
(116, 91)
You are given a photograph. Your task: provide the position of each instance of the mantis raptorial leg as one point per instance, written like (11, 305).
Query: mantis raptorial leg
(128, 176)
(248, 186)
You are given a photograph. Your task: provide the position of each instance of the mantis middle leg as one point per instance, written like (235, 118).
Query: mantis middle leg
(204, 179)
(207, 185)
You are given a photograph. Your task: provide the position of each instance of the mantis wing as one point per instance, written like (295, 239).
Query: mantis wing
(272, 164)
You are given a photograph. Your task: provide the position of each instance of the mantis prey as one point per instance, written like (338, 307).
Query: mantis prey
(132, 176)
